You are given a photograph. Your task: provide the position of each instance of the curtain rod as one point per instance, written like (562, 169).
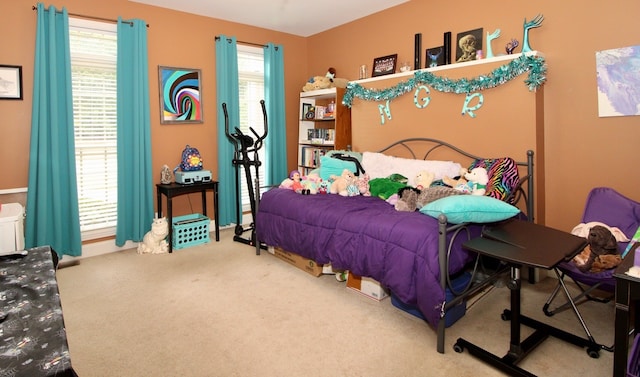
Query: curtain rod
(33, 7)
(245, 43)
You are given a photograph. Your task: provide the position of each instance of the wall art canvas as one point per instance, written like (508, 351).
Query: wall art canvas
(10, 82)
(180, 95)
(618, 80)
(468, 44)
(434, 57)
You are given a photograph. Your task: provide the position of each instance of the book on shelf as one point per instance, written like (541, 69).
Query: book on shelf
(321, 135)
(310, 156)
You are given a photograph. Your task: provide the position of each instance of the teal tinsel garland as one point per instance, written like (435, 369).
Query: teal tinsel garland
(535, 65)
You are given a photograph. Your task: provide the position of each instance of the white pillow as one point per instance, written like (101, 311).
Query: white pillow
(379, 165)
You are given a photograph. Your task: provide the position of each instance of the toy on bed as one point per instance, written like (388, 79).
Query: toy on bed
(472, 182)
(344, 184)
(305, 185)
(413, 198)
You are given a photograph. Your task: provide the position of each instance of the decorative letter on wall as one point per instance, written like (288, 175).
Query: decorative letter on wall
(470, 110)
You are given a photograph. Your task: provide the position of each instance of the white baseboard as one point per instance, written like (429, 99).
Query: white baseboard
(109, 246)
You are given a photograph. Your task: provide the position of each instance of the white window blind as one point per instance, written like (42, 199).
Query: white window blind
(251, 81)
(93, 47)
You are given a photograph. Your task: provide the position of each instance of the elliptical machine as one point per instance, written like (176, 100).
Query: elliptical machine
(244, 146)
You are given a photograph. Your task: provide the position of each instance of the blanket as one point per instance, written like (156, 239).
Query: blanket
(367, 236)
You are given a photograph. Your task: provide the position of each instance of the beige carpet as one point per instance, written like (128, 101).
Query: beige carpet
(220, 310)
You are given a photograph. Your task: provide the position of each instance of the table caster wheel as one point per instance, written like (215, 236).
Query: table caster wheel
(458, 348)
(593, 352)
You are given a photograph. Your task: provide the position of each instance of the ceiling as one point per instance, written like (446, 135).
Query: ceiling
(298, 17)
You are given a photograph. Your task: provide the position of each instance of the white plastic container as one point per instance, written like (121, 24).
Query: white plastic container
(11, 227)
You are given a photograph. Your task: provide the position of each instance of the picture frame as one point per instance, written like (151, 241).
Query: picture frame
(180, 91)
(434, 57)
(384, 65)
(472, 43)
(306, 107)
(10, 82)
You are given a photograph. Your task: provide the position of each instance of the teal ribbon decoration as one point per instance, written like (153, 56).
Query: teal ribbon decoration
(534, 65)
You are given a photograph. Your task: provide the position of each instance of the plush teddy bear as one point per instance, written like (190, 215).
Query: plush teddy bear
(472, 182)
(340, 184)
(601, 253)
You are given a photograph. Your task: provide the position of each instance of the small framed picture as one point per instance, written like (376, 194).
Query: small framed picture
(468, 45)
(434, 57)
(180, 95)
(384, 65)
(10, 82)
(305, 109)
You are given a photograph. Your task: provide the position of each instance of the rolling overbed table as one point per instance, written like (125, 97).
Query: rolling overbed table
(522, 243)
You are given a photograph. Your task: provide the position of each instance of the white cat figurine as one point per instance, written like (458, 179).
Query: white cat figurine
(154, 241)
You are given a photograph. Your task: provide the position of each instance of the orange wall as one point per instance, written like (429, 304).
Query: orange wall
(581, 149)
(174, 39)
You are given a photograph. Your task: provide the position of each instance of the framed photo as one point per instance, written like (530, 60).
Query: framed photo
(468, 44)
(434, 57)
(306, 107)
(10, 82)
(180, 95)
(384, 65)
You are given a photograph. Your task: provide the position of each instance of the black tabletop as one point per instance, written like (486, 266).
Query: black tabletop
(527, 244)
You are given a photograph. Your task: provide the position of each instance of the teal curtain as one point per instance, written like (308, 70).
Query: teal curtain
(135, 178)
(227, 92)
(52, 198)
(276, 142)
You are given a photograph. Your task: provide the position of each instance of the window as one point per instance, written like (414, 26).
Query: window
(251, 82)
(93, 47)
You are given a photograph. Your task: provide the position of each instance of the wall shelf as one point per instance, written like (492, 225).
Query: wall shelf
(496, 59)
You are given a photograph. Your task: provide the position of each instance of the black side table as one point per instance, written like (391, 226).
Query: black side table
(627, 305)
(522, 243)
(175, 189)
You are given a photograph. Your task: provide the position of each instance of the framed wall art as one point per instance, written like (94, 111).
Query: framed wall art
(434, 57)
(468, 44)
(180, 95)
(10, 82)
(384, 65)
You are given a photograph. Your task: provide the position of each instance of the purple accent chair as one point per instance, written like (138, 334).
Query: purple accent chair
(607, 206)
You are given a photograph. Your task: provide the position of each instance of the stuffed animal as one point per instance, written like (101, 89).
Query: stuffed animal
(411, 199)
(362, 182)
(472, 182)
(423, 179)
(310, 184)
(340, 183)
(323, 82)
(407, 198)
(154, 241)
(601, 253)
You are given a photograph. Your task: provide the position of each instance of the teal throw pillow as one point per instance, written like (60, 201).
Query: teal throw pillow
(332, 166)
(470, 209)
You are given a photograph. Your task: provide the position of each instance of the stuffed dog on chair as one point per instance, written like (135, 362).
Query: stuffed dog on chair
(601, 253)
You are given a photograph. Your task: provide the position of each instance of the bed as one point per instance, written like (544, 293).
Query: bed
(413, 254)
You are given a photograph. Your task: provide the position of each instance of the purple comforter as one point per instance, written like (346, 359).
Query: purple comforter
(365, 235)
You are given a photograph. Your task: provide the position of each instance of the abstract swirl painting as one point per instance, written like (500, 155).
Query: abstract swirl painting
(180, 97)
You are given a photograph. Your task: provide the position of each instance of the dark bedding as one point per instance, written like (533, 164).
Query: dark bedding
(367, 236)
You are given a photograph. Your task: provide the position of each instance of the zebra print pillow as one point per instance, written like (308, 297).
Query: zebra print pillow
(503, 176)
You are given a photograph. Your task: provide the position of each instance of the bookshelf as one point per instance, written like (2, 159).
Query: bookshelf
(325, 125)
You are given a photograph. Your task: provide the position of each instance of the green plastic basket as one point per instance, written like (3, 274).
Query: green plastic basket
(190, 230)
